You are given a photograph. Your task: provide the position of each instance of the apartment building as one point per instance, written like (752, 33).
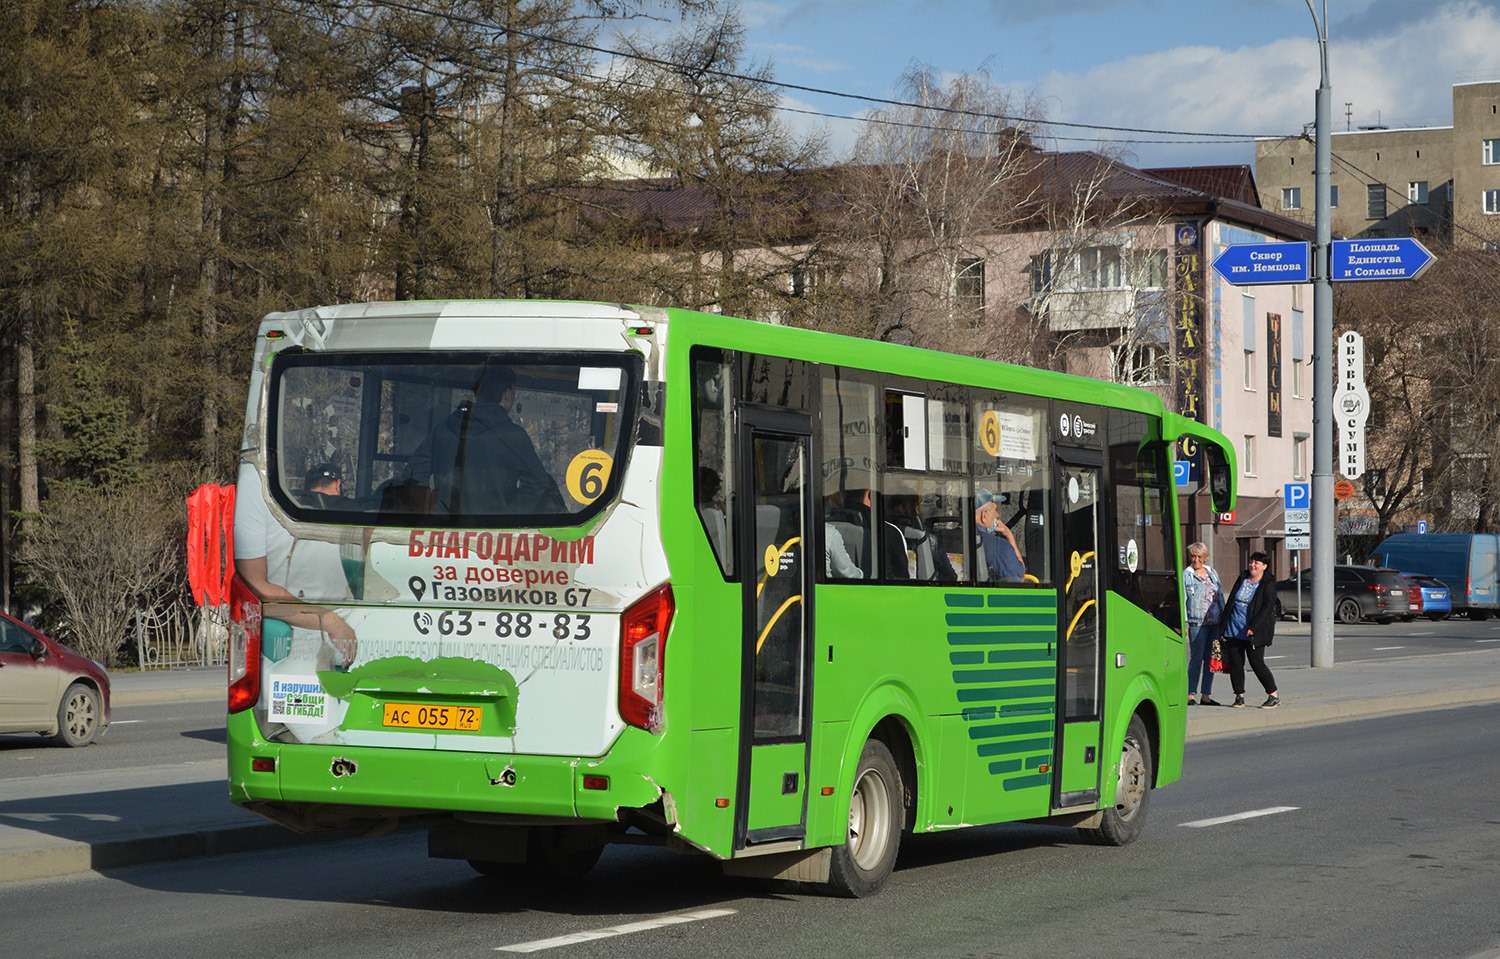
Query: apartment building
(1441, 181)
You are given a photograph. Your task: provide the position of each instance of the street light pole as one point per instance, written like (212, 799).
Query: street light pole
(1323, 503)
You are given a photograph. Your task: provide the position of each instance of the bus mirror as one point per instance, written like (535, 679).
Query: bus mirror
(1220, 478)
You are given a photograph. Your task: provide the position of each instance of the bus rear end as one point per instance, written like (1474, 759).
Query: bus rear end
(475, 612)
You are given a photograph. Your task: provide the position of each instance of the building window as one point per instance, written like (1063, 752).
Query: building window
(807, 278)
(1491, 152)
(1492, 202)
(1144, 364)
(1299, 457)
(1375, 484)
(1099, 268)
(1375, 201)
(1333, 196)
(1291, 198)
(1416, 191)
(1151, 269)
(1249, 457)
(968, 291)
(1299, 370)
(1250, 371)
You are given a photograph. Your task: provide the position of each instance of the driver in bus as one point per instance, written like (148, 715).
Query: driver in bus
(480, 461)
(1001, 554)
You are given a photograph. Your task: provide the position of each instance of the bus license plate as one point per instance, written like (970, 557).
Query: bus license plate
(416, 716)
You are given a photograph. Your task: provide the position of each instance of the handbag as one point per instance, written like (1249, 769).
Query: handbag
(1215, 609)
(1216, 658)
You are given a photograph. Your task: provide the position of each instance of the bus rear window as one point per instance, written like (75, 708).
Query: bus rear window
(449, 439)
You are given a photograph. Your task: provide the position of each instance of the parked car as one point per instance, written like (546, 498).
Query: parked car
(1413, 596)
(1359, 592)
(1437, 599)
(47, 688)
(1468, 562)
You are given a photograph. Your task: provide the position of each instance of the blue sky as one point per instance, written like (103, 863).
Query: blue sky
(1223, 66)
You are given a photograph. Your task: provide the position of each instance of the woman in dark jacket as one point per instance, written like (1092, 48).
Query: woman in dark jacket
(1249, 626)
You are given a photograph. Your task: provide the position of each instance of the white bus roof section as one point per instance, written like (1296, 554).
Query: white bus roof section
(465, 325)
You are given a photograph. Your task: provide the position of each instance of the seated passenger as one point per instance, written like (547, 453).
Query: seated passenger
(1001, 554)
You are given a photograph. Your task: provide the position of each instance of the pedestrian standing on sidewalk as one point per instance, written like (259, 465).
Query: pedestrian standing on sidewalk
(1205, 603)
(1249, 628)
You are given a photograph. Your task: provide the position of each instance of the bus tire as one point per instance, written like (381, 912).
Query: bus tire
(1123, 822)
(862, 864)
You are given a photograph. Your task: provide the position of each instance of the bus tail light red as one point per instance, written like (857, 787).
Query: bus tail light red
(643, 646)
(244, 647)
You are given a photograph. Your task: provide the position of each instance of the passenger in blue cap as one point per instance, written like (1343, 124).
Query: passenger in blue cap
(1001, 554)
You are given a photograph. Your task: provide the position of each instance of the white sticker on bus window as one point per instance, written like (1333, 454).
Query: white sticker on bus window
(606, 407)
(1017, 436)
(599, 377)
(298, 699)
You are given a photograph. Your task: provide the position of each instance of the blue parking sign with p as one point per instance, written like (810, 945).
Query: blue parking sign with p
(1297, 495)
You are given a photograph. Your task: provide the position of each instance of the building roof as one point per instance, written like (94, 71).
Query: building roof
(1236, 182)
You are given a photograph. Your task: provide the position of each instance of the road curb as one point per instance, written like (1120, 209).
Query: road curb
(69, 858)
(1226, 721)
(145, 697)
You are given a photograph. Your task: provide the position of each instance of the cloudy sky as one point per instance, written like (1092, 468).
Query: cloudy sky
(1246, 67)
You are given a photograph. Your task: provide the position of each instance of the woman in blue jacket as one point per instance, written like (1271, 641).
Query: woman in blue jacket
(1205, 601)
(1249, 627)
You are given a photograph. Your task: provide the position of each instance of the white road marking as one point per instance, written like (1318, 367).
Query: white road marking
(1487, 640)
(1276, 657)
(1428, 633)
(126, 722)
(1381, 649)
(1252, 814)
(538, 945)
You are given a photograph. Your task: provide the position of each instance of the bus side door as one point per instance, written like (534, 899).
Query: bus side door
(1080, 626)
(775, 512)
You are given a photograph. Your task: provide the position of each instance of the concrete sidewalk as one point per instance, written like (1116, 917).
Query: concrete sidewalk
(62, 824)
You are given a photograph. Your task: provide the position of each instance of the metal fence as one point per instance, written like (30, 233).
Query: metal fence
(182, 634)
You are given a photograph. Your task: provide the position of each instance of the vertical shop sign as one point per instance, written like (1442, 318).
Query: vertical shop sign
(1273, 374)
(1187, 326)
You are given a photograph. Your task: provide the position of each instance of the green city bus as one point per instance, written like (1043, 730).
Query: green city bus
(608, 574)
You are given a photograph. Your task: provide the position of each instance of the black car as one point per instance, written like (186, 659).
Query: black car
(1359, 592)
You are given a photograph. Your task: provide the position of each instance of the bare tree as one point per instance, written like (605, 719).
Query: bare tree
(102, 553)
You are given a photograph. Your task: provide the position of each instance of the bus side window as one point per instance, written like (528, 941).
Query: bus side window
(1012, 489)
(851, 426)
(713, 451)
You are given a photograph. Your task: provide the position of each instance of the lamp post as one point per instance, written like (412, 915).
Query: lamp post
(1323, 503)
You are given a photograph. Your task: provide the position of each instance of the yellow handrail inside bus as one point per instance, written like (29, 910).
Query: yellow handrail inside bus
(761, 640)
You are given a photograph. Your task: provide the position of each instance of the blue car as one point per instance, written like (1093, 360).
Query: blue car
(1437, 603)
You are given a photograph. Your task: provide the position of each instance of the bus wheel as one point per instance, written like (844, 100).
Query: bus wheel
(1348, 611)
(861, 866)
(1123, 822)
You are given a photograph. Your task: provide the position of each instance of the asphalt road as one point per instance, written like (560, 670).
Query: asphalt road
(1370, 838)
(1370, 641)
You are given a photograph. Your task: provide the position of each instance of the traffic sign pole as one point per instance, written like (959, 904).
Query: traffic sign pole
(1322, 486)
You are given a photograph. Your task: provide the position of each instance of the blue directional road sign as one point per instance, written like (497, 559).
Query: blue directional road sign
(1296, 495)
(1247, 264)
(1385, 258)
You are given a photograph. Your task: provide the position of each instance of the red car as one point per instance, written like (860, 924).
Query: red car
(47, 688)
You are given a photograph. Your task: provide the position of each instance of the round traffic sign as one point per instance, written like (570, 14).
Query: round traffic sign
(1343, 489)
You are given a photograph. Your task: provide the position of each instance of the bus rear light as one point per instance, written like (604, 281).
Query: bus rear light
(596, 782)
(643, 646)
(244, 647)
(263, 764)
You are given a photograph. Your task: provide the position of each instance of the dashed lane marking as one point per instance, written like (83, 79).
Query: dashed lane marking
(1252, 814)
(1382, 649)
(537, 945)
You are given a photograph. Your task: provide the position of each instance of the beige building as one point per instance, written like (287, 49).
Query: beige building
(1442, 182)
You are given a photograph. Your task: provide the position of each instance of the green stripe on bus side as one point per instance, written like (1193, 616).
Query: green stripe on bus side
(995, 693)
(1002, 675)
(973, 714)
(1046, 617)
(1006, 766)
(1010, 749)
(971, 658)
(973, 601)
(1010, 638)
(1026, 782)
(1021, 656)
(1010, 729)
(1029, 599)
